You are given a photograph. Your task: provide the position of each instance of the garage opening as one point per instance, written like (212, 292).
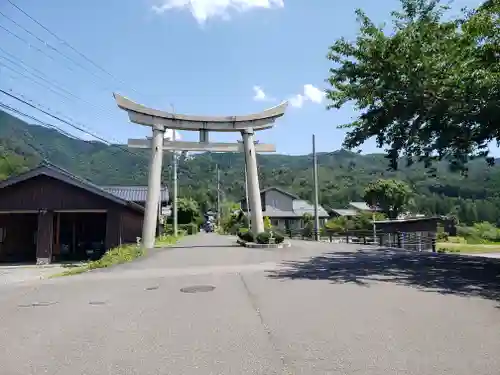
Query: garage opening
(79, 235)
(18, 237)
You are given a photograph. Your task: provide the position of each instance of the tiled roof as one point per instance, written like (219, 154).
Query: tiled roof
(273, 212)
(58, 173)
(133, 193)
(301, 207)
(280, 190)
(345, 212)
(362, 206)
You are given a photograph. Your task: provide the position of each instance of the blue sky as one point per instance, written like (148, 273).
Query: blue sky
(224, 57)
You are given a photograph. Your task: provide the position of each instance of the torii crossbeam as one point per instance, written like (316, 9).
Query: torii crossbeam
(161, 120)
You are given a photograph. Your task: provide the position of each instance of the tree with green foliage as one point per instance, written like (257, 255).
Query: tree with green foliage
(267, 223)
(392, 197)
(339, 224)
(428, 88)
(188, 211)
(10, 164)
(343, 175)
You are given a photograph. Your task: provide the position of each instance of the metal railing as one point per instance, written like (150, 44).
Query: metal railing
(415, 241)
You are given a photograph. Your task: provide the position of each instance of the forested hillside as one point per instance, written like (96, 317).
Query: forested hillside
(343, 174)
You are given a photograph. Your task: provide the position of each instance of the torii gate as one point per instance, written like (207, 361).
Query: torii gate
(160, 120)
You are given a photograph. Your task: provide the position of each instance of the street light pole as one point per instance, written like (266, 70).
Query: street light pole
(218, 197)
(175, 192)
(174, 183)
(316, 198)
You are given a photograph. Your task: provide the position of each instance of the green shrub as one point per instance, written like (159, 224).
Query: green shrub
(189, 228)
(278, 237)
(263, 238)
(455, 239)
(241, 231)
(308, 230)
(442, 236)
(182, 229)
(247, 236)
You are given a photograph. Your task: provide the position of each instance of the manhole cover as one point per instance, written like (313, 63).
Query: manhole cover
(198, 289)
(152, 287)
(97, 303)
(38, 304)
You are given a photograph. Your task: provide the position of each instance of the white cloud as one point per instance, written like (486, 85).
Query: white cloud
(297, 101)
(310, 93)
(169, 135)
(313, 94)
(260, 95)
(202, 10)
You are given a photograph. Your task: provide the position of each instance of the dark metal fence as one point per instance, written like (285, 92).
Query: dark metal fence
(415, 241)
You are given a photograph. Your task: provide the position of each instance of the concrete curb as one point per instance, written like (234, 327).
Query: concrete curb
(264, 246)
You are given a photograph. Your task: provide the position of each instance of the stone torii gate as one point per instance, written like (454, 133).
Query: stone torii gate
(160, 120)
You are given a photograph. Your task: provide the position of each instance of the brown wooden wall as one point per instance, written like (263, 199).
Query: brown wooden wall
(46, 194)
(20, 239)
(131, 223)
(43, 192)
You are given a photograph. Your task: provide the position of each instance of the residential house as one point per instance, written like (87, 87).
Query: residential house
(136, 194)
(362, 207)
(50, 214)
(286, 210)
(354, 209)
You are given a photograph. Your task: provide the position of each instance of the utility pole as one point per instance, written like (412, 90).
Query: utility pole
(174, 188)
(374, 226)
(174, 202)
(218, 196)
(159, 231)
(315, 176)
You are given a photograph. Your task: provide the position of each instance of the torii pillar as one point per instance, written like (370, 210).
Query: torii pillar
(160, 120)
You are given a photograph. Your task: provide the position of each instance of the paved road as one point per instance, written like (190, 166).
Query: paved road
(23, 273)
(310, 309)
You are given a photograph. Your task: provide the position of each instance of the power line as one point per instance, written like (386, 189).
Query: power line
(98, 82)
(69, 119)
(58, 113)
(71, 47)
(103, 110)
(40, 152)
(11, 109)
(41, 76)
(45, 124)
(66, 122)
(48, 45)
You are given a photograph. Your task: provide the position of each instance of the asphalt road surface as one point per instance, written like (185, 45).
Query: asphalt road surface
(310, 309)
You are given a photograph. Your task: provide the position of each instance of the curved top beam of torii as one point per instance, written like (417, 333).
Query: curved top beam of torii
(143, 115)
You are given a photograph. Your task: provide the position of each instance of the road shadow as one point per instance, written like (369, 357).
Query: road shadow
(440, 273)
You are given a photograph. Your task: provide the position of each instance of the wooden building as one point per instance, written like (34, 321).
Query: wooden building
(47, 214)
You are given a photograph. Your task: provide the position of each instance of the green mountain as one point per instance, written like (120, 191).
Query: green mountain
(342, 174)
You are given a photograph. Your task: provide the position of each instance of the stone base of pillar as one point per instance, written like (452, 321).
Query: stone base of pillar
(42, 261)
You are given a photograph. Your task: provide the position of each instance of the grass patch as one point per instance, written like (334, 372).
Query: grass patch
(467, 248)
(167, 240)
(117, 255)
